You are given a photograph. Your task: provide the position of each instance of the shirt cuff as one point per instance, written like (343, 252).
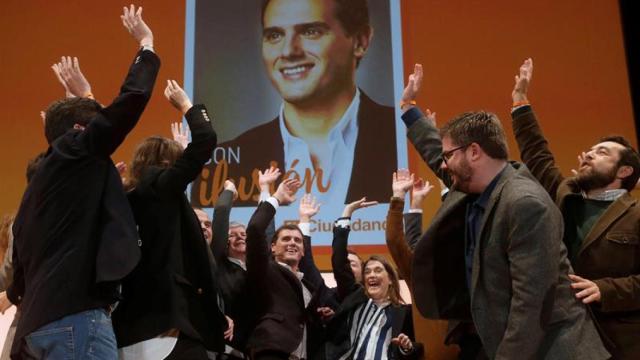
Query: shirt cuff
(148, 47)
(305, 227)
(343, 222)
(523, 107)
(264, 195)
(273, 201)
(411, 116)
(415, 211)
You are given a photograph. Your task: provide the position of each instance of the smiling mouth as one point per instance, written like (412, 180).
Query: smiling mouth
(373, 284)
(296, 72)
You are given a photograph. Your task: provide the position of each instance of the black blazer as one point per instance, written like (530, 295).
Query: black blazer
(173, 286)
(277, 296)
(75, 235)
(374, 156)
(352, 295)
(230, 277)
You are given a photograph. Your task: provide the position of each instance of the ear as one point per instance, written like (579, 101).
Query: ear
(624, 171)
(476, 151)
(273, 250)
(361, 43)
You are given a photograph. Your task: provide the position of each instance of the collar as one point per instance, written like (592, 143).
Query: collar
(344, 129)
(238, 262)
(298, 274)
(483, 199)
(607, 195)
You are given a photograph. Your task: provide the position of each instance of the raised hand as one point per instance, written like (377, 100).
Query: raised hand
(403, 342)
(177, 97)
(523, 79)
(132, 21)
(413, 85)
(229, 185)
(286, 192)
(267, 178)
(70, 76)
(419, 192)
(180, 134)
(401, 183)
(431, 117)
(358, 204)
(309, 206)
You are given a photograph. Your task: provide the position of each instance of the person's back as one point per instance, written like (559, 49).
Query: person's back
(75, 236)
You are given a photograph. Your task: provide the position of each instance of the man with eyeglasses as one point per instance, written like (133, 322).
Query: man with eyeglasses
(493, 253)
(602, 221)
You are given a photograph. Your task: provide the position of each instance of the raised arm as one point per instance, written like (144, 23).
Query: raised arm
(400, 251)
(189, 165)
(413, 220)
(342, 272)
(534, 148)
(309, 207)
(220, 227)
(267, 180)
(258, 250)
(108, 129)
(421, 130)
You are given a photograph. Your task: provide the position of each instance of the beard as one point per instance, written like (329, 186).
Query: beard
(592, 179)
(461, 175)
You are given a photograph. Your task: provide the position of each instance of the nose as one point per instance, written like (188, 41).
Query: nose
(291, 47)
(443, 165)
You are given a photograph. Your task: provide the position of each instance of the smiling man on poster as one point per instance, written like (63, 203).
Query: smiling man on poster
(339, 141)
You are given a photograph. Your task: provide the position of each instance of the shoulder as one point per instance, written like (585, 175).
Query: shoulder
(269, 130)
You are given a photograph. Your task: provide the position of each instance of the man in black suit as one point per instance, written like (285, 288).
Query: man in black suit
(75, 236)
(285, 302)
(328, 131)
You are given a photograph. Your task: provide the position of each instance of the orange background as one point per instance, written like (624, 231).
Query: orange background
(470, 51)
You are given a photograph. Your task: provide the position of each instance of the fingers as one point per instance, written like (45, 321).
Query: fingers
(417, 70)
(574, 277)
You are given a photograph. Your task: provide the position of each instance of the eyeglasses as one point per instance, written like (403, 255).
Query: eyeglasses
(446, 155)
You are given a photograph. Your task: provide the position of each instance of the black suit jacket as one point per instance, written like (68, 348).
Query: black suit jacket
(352, 295)
(231, 277)
(172, 286)
(374, 156)
(74, 233)
(277, 296)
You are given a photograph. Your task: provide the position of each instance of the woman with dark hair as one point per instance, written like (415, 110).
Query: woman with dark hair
(169, 301)
(372, 322)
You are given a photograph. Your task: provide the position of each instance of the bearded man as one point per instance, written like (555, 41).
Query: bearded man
(602, 221)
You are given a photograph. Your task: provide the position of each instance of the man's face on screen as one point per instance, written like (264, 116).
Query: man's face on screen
(305, 50)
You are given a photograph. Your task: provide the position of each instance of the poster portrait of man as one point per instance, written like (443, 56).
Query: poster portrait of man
(305, 85)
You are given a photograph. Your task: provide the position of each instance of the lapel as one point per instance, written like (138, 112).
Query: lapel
(613, 213)
(508, 172)
(397, 314)
(292, 279)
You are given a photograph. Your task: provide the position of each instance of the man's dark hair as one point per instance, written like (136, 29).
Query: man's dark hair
(62, 115)
(628, 157)
(353, 15)
(285, 227)
(480, 127)
(34, 165)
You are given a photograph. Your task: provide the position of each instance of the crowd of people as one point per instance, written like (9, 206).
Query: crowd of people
(109, 261)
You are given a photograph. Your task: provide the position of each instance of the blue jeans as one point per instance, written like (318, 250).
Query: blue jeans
(84, 335)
